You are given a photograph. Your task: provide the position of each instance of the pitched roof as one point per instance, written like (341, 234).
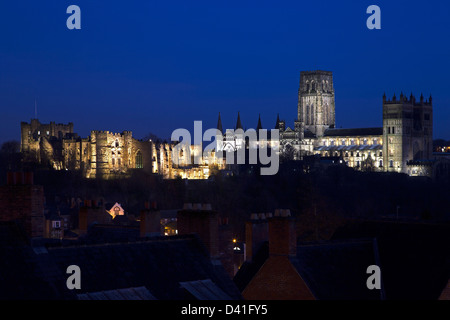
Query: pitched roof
(19, 274)
(249, 268)
(353, 132)
(309, 134)
(445, 295)
(331, 269)
(140, 293)
(204, 290)
(336, 270)
(415, 256)
(160, 265)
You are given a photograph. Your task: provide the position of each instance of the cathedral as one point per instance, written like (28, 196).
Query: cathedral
(403, 144)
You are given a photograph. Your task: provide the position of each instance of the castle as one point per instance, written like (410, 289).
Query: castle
(403, 144)
(105, 154)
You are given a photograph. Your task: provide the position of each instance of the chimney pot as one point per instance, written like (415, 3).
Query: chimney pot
(19, 178)
(29, 178)
(285, 213)
(197, 206)
(10, 178)
(187, 206)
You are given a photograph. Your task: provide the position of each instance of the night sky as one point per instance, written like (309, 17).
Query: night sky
(154, 66)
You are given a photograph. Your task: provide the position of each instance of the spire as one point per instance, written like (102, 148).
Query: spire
(277, 124)
(259, 127)
(421, 97)
(219, 124)
(238, 123)
(431, 99)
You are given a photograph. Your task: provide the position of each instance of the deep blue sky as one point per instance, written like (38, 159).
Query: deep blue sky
(154, 66)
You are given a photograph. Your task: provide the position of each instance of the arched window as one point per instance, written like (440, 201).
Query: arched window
(307, 86)
(313, 86)
(307, 115)
(139, 160)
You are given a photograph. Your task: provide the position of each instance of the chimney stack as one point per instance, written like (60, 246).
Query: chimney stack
(282, 234)
(150, 224)
(202, 220)
(256, 233)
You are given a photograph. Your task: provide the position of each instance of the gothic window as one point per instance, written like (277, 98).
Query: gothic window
(391, 163)
(311, 114)
(139, 160)
(365, 141)
(381, 163)
(117, 143)
(113, 161)
(307, 86)
(307, 115)
(313, 86)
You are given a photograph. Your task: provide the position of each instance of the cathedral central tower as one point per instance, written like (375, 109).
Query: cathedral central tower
(316, 107)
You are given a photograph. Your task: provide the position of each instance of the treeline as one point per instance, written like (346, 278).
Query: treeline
(321, 200)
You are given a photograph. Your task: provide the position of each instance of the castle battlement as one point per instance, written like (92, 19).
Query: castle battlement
(403, 99)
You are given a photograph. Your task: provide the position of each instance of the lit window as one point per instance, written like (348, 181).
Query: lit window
(139, 160)
(56, 224)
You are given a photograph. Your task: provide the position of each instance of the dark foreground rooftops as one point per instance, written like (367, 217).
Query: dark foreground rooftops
(155, 267)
